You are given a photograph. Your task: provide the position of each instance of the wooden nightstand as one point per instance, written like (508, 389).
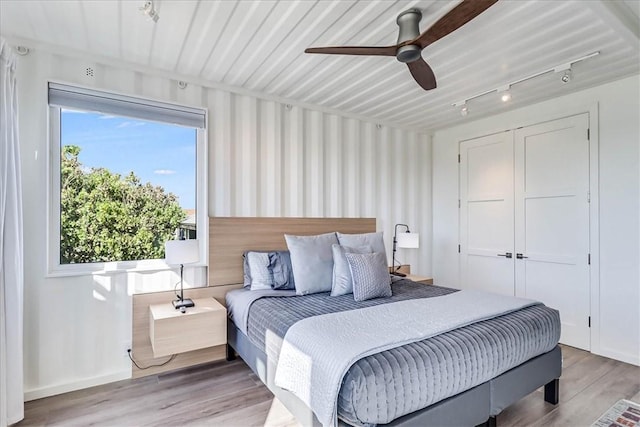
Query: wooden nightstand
(420, 279)
(171, 331)
(406, 269)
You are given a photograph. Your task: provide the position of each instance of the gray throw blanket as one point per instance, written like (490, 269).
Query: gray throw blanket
(311, 367)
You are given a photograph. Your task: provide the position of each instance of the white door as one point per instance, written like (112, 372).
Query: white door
(486, 213)
(552, 221)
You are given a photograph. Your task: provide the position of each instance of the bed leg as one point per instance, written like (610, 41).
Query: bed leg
(231, 354)
(552, 391)
(491, 422)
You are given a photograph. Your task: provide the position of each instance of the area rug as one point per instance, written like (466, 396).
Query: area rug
(624, 413)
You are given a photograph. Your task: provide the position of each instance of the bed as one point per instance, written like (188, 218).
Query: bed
(467, 386)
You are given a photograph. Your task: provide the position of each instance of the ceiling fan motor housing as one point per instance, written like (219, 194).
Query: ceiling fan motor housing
(409, 21)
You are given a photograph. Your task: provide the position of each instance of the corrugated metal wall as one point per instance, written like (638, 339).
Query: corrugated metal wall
(271, 159)
(264, 159)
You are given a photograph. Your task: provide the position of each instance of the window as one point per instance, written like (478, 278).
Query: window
(127, 175)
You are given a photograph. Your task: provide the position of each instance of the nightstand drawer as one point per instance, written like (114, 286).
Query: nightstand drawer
(174, 332)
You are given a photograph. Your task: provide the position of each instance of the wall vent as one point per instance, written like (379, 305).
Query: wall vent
(89, 72)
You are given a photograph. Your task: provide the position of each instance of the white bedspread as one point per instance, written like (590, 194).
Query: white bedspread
(318, 351)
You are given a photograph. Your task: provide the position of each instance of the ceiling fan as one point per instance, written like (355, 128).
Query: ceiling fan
(410, 43)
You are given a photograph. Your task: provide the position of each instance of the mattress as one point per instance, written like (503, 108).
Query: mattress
(380, 388)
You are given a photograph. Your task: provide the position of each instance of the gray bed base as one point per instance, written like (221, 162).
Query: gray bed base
(476, 406)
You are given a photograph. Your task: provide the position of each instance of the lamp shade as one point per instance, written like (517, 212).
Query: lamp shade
(409, 240)
(181, 251)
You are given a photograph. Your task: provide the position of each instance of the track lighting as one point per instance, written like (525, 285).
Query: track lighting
(505, 95)
(504, 90)
(22, 50)
(150, 11)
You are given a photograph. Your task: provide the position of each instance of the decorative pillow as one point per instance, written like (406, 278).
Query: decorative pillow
(268, 270)
(312, 262)
(375, 240)
(342, 283)
(371, 277)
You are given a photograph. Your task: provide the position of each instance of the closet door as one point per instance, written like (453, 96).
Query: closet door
(486, 213)
(552, 221)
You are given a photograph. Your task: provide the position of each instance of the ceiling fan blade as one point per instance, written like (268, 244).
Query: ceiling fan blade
(423, 74)
(355, 50)
(454, 19)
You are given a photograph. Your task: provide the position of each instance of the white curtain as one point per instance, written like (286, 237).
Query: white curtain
(11, 273)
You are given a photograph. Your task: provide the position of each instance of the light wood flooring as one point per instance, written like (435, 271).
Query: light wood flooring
(229, 394)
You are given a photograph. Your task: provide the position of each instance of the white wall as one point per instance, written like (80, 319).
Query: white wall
(616, 313)
(264, 160)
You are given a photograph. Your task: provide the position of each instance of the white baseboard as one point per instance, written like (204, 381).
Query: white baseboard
(39, 393)
(622, 357)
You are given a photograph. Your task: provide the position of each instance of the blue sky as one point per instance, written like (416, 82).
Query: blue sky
(159, 153)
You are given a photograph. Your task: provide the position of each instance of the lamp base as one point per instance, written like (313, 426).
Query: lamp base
(395, 273)
(186, 302)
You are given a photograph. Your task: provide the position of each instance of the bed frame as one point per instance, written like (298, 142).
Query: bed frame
(231, 237)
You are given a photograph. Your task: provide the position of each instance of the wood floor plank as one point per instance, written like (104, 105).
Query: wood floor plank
(572, 355)
(230, 394)
(622, 382)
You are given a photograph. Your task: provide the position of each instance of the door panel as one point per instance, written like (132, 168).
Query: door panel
(552, 221)
(486, 214)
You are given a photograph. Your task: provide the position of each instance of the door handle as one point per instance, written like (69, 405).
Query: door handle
(520, 256)
(507, 254)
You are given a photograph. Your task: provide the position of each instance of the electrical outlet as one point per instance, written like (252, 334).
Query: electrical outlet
(126, 346)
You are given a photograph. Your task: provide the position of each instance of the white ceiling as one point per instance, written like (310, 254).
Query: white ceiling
(259, 46)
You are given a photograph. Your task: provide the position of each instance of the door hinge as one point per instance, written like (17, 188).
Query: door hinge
(458, 158)
(588, 196)
(458, 203)
(588, 134)
(458, 248)
(589, 321)
(589, 259)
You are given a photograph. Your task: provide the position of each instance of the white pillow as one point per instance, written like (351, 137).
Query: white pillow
(375, 240)
(342, 280)
(312, 262)
(258, 274)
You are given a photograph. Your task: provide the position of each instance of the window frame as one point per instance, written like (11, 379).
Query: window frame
(54, 267)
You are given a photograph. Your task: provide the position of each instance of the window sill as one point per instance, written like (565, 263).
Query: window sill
(100, 270)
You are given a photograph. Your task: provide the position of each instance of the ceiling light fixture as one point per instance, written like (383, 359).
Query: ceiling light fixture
(504, 89)
(505, 95)
(22, 50)
(149, 10)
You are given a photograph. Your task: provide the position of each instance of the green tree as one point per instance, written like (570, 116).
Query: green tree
(108, 217)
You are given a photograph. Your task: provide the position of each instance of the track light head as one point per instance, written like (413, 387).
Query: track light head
(464, 110)
(566, 77)
(148, 9)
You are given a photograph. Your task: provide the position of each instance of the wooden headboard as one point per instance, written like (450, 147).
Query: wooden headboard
(229, 238)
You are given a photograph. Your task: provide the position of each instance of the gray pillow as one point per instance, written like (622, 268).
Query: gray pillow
(342, 282)
(375, 240)
(371, 277)
(281, 270)
(312, 262)
(272, 268)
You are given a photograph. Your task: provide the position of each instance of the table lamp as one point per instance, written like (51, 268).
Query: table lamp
(181, 252)
(406, 240)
